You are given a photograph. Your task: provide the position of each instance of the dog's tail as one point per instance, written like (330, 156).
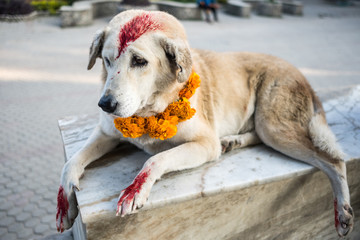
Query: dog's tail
(321, 135)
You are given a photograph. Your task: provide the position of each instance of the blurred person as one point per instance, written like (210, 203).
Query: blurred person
(207, 6)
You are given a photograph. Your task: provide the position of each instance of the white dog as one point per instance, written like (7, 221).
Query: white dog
(243, 99)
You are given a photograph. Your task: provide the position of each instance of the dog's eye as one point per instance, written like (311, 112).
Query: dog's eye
(138, 61)
(107, 62)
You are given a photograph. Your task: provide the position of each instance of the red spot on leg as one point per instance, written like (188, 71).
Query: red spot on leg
(62, 208)
(129, 193)
(133, 29)
(336, 214)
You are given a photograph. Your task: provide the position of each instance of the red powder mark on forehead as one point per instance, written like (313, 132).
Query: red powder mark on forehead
(133, 29)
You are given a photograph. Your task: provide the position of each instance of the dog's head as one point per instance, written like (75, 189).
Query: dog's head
(146, 61)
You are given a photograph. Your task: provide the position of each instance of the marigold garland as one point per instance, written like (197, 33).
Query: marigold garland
(163, 125)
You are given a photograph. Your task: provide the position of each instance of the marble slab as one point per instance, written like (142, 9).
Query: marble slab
(235, 173)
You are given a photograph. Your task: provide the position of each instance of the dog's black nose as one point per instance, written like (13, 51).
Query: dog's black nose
(108, 103)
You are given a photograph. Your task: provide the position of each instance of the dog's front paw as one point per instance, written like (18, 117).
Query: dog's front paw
(344, 219)
(134, 196)
(67, 207)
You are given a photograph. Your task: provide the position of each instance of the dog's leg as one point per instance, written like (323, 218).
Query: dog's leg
(310, 140)
(231, 142)
(185, 156)
(96, 146)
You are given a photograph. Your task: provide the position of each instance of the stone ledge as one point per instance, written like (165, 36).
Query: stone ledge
(292, 7)
(270, 9)
(238, 8)
(182, 11)
(83, 12)
(253, 192)
(265, 8)
(18, 18)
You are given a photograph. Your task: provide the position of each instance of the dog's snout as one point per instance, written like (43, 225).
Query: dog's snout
(108, 103)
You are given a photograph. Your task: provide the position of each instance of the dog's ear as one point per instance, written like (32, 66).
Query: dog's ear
(178, 54)
(96, 48)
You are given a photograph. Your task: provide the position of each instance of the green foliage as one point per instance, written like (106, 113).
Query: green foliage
(48, 5)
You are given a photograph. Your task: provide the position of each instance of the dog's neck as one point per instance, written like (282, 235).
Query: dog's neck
(163, 125)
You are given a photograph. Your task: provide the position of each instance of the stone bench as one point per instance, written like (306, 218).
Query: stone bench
(238, 8)
(269, 9)
(265, 8)
(292, 7)
(250, 193)
(82, 13)
(182, 11)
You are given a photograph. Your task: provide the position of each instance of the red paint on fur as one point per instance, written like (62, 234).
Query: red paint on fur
(62, 208)
(135, 187)
(336, 214)
(134, 29)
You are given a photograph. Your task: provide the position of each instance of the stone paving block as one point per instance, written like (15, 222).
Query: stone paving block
(6, 206)
(14, 211)
(14, 228)
(39, 213)
(32, 222)
(3, 230)
(41, 228)
(22, 216)
(30, 208)
(47, 219)
(6, 221)
(25, 233)
(9, 236)
(5, 193)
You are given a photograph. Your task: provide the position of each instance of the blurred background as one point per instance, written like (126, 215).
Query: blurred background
(43, 77)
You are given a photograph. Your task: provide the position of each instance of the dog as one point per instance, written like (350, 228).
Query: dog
(243, 99)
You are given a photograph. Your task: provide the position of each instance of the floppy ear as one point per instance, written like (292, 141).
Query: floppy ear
(178, 53)
(96, 48)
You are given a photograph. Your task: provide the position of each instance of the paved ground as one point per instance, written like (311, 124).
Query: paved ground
(43, 77)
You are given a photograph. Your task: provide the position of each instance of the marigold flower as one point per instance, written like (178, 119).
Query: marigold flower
(131, 127)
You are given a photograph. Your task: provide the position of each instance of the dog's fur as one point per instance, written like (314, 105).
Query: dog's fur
(243, 99)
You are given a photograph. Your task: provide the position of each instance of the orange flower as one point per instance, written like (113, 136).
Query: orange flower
(181, 109)
(131, 127)
(189, 90)
(163, 129)
(163, 125)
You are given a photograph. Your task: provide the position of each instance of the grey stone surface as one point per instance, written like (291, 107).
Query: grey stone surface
(43, 78)
(183, 11)
(270, 9)
(253, 3)
(76, 16)
(292, 7)
(82, 13)
(238, 8)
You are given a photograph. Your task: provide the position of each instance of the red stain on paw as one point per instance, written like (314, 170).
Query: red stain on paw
(133, 29)
(336, 214)
(62, 208)
(135, 187)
